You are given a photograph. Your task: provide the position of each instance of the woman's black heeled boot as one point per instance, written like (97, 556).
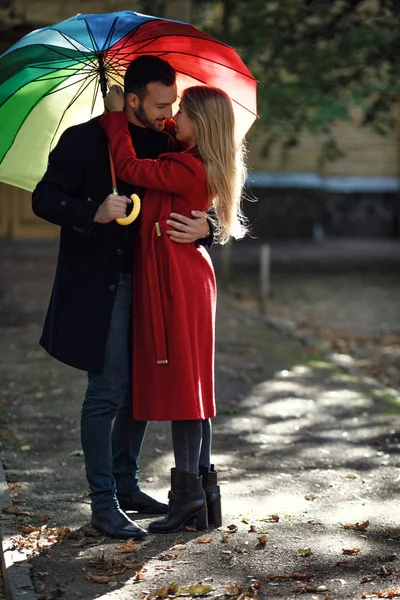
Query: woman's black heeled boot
(187, 502)
(213, 495)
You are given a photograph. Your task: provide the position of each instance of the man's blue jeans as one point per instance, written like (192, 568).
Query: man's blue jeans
(111, 438)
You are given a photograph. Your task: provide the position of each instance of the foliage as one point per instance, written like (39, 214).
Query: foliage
(317, 62)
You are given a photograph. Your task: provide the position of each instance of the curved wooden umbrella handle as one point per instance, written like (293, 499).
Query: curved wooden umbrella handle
(134, 197)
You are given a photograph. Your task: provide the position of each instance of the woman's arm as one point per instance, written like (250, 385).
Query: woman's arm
(175, 172)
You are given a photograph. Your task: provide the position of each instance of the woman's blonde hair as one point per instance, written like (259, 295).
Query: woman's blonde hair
(210, 110)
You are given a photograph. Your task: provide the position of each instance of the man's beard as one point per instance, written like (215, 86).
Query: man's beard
(141, 115)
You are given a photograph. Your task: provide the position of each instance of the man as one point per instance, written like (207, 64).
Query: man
(88, 324)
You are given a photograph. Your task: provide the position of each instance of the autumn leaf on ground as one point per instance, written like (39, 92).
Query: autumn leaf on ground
(76, 453)
(105, 579)
(28, 529)
(127, 547)
(42, 517)
(390, 535)
(394, 593)
(254, 529)
(368, 578)
(232, 528)
(351, 550)
(139, 576)
(238, 592)
(271, 519)
(204, 540)
(357, 526)
(246, 520)
(262, 539)
(225, 538)
(304, 587)
(132, 564)
(310, 497)
(161, 592)
(286, 576)
(199, 589)
(167, 556)
(304, 551)
(110, 567)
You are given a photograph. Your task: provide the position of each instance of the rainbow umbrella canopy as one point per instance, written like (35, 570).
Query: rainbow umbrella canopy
(57, 76)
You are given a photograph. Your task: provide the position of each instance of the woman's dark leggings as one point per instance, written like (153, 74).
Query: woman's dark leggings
(191, 441)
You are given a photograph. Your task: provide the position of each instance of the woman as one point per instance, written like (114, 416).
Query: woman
(174, 287)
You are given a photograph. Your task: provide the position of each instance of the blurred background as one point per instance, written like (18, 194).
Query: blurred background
(323, 199)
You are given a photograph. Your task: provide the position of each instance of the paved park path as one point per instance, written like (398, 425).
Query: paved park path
(308, 455)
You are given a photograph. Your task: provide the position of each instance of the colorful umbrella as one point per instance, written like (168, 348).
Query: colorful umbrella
(57, 76)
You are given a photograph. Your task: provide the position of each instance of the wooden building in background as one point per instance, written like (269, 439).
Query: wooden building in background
(367, 175)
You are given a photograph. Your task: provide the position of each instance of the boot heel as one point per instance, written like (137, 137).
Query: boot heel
(202, 519)
(214, 512)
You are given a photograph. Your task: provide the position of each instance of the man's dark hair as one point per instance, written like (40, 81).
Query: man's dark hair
(147, 69)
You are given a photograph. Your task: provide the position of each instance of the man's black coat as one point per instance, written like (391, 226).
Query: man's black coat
(91, 255)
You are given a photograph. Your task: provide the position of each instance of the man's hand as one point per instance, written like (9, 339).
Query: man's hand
(115, 99)
(113, 207)
(187, 230)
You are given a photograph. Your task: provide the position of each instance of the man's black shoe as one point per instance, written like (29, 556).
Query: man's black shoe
(115, 523)
(142, 503)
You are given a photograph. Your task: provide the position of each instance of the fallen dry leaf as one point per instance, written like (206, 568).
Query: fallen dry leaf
(28, 528)
(225, 538)
(368, 578)
(238, 592)
(271, 518)
(394, 593)
(204, 540)
(199, 589)
(304, 551)
(304, 587)
(351, 550)
(127, 547)
(139, 576)
(310, 497)
(42, 517)
(132, 564)
(357, 526)
(161, 592)
(104, 579)
(262, 539)
(286, 576)
(167, 556)
(390, 535)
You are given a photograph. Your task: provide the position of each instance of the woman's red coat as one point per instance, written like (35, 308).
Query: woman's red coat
(174, 285)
